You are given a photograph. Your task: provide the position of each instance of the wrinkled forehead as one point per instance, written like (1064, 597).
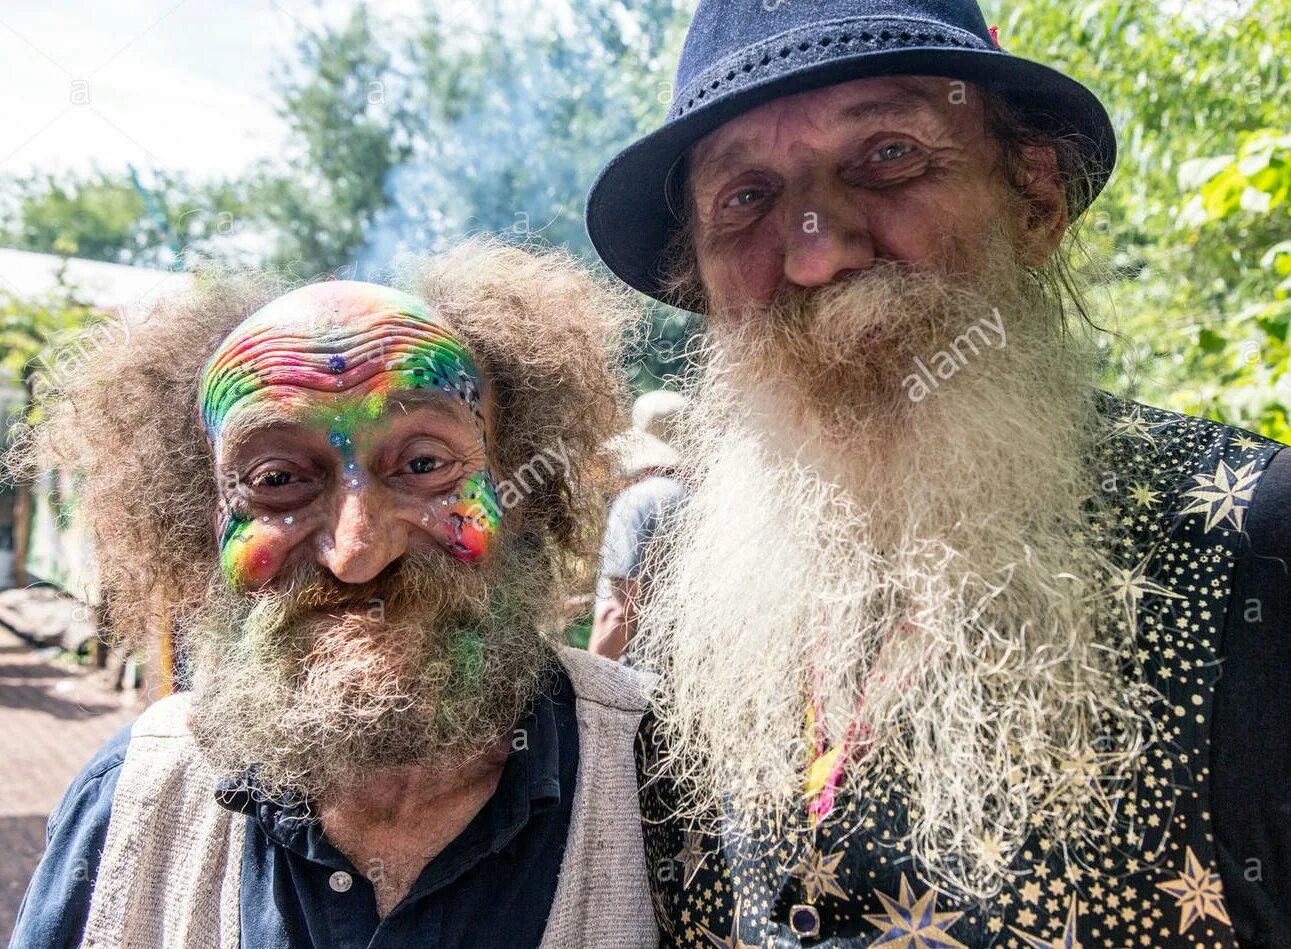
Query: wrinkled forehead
(334, 337)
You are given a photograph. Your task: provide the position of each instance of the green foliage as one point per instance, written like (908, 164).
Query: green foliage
(508, 112)
(496, 116)
(107, 217)
(1192, 222)
(28, 327)
(320, 200)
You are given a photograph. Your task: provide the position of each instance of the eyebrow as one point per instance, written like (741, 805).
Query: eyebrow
(903, 103)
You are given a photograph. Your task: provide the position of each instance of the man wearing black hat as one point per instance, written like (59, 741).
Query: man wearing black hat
(957, 649)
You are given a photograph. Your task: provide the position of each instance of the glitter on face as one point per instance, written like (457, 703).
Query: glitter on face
(397, 345)
(407, 348)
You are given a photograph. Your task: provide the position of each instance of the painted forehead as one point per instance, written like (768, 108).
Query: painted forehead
(332, 337)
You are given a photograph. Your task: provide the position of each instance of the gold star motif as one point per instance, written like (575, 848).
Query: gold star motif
(991, 849)
(819, 875)
(1246, 442)
(1144, 496)
(911, 924)
(733, 941)
(1223, 495)
(691, 857)
(1134, 425)
(1069, 938)
(1198, 893)
(1130, 586)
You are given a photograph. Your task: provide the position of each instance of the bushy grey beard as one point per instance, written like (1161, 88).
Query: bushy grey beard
(926, 572)
(316, 683)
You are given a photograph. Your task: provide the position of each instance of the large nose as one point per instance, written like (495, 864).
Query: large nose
(363, 541)
(826, 235)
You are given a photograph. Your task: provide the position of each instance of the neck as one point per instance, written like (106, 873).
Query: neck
(394, 821)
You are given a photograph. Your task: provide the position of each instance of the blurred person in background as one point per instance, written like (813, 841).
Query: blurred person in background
(649, 461)
(382, 745)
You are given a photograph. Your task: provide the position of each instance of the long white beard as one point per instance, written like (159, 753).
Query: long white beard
(926, 574)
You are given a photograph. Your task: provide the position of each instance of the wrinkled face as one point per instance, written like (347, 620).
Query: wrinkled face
(808, 189)
(350, 426)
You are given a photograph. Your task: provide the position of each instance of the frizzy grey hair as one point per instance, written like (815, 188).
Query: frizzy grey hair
(126, 419)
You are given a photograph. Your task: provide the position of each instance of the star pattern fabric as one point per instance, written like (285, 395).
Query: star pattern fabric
(1067, 939)
(819, 875)
(1199, 892)
(1183, 486)
(914, 924)
(1223, 495)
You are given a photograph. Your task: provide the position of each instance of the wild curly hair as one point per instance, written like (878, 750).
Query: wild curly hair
(121, 411)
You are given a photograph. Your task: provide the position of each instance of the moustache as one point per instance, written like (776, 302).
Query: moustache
(421, 580)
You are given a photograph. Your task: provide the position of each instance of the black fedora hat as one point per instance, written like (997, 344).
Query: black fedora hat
(739, 54)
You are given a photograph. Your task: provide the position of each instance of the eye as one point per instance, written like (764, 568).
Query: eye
(743, 198)
(425, 464)
(892, 152)
(271, 479)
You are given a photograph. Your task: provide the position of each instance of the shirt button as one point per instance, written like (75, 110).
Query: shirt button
(341, 881)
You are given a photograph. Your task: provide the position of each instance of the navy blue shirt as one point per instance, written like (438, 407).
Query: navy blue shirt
(491, 886)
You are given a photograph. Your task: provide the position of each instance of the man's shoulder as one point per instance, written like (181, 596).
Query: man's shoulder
(89, 795)
(1149, 423)
(605, 682)
(650, 494)
(1268, 521)
(167, 718)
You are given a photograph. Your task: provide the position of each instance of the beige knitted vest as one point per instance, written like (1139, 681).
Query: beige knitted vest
(171, 870)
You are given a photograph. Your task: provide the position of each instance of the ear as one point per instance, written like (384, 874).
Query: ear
(1046, 205)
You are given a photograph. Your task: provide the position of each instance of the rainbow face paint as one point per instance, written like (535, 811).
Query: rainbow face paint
(473, 517)
(336, 355)
(404, 347)
(242, 560)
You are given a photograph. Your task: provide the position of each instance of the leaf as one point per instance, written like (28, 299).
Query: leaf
(1210, 341)
(1252, 163)
(1222, 195)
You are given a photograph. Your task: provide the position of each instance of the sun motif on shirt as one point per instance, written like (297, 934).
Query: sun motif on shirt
(1133, 425)
(1144, 496)
(731, 941)
(1132, 585)
(1198, 893)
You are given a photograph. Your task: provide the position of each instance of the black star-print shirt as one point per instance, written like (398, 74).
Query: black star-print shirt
(697, 886)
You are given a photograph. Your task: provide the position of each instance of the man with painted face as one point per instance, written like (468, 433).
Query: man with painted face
(956, 649)
(362, 507)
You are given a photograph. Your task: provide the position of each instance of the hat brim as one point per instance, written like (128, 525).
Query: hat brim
(629, 219)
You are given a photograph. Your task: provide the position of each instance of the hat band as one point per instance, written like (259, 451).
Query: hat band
(818, 43)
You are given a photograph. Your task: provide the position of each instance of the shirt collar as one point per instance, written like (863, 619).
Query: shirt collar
(529, 785)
